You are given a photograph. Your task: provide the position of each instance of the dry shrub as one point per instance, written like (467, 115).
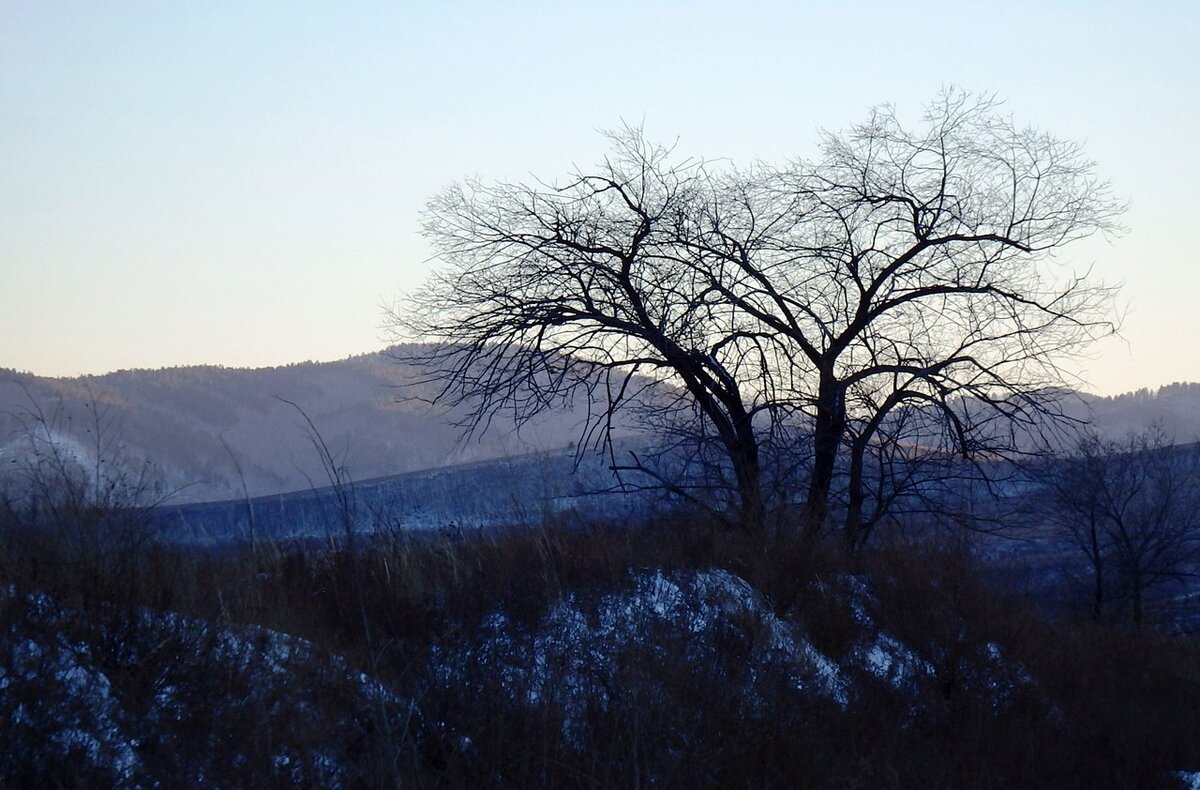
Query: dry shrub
(1078, 705)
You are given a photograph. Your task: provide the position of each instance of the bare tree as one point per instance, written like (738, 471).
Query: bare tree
(1075, 487)
(898, 270)
(921, 276)
(593, 288)
(1130, 506)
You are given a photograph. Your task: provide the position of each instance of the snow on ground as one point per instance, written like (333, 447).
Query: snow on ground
(134, 699)
(572, 655)
(130, 698)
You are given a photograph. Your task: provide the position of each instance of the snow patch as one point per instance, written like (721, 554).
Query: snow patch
(573, 656)
(1190, 780)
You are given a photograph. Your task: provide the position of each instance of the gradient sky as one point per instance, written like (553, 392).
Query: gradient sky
(240, 184)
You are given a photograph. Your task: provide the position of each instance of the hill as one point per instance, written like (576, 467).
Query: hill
(199, 425)
(216, 433)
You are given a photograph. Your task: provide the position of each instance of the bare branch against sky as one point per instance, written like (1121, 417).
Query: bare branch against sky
(222, 183)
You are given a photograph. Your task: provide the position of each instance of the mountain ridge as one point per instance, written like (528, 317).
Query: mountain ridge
(217, 432)
(199, 424)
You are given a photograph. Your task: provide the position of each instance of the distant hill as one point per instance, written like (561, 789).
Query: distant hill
(198, 424)
(1175, 406)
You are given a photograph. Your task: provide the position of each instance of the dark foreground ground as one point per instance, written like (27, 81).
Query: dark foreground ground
(669, 654)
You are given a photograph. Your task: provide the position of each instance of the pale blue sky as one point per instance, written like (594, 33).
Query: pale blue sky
(236, 183)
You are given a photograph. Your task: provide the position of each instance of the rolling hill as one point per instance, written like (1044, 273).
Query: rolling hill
(216, 433)
(209, 431)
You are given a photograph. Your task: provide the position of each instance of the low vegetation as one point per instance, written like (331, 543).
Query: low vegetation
(662, 653)
(669, 650)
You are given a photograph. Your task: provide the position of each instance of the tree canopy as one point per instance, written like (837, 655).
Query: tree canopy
(777, 316)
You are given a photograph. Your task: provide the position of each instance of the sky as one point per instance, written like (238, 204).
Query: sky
(241, 183)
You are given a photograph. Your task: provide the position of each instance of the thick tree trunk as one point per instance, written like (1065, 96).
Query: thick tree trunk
(735, 427)
(827, 436)
(747, 470)
(753, 515)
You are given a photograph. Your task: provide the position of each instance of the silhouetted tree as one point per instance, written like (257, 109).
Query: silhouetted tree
(898, 270)
(921, 268)
(598, 288)
(1075, 484)
(1132, 507)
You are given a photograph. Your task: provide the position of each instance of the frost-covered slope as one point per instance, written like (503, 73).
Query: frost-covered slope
(682, 677)
(145, 699)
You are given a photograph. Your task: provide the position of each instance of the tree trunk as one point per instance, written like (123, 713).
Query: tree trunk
(827, 436)
(1137, 602)
(753, 515)
(1097, 574)
(735, 428)
(855, 496)
(747, 469)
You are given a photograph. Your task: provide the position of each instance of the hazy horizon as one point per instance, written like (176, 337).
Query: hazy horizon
(242, 187)
(349, 357)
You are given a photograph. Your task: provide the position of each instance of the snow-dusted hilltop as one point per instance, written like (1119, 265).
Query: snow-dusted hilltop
(197, 425)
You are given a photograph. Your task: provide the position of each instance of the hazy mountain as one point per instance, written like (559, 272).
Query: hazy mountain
(1175, 406)
(192, 423)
